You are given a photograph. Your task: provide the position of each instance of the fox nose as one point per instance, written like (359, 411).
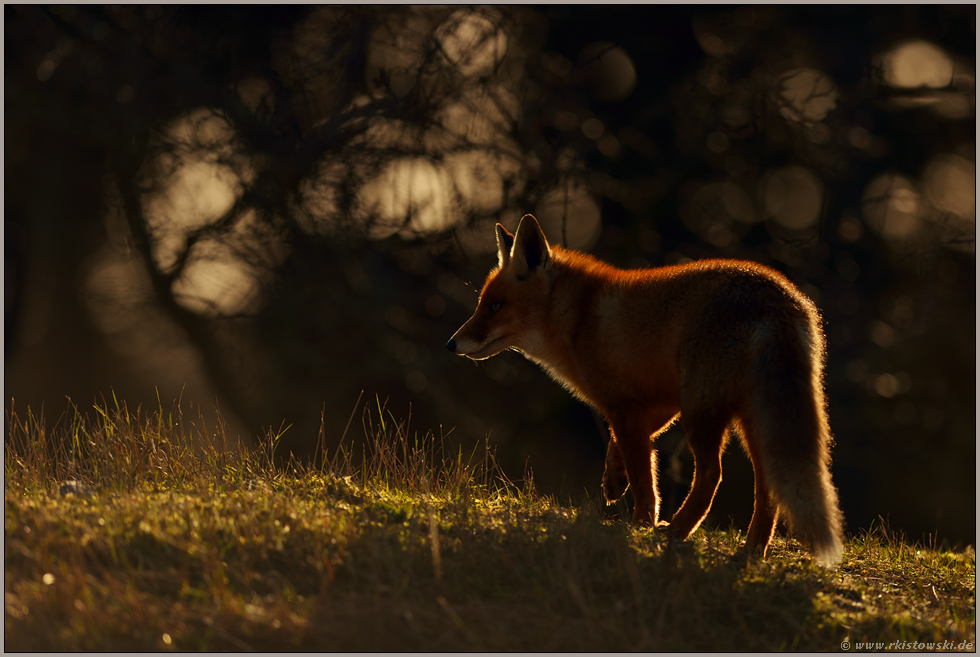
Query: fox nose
(451, 346)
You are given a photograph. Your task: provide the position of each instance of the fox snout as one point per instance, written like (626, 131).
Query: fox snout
(461, 345)
(475, 346)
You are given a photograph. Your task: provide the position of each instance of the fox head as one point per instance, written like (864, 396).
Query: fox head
(513, 301)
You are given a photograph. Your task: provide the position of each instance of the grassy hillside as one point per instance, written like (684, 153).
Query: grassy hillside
(170, 540)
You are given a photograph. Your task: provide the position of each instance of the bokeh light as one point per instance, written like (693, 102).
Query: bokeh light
(472, 42)
(201, 185)
(808, 95)
(713, 208)
(478, 179)
(609, 70)
(393, 56)
(115, 289)
(219, 255)
(891, 206)
(712, 44)
(572, 212)
(917, 63)
(792, 197)
(919, 73)
(409, 196)
(950, 185)
(216, 282)
(198, 194)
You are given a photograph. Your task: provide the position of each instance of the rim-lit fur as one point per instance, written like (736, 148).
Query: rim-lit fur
(714, 343)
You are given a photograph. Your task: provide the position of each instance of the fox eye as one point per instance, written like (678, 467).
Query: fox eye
(494, 307)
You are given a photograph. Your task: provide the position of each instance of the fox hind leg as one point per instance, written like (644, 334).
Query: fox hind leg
(706, 437)
(765, 512)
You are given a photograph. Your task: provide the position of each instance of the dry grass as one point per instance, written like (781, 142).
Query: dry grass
(179, 539)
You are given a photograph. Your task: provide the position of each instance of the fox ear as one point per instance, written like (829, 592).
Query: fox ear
(505, 242)
(531, 248)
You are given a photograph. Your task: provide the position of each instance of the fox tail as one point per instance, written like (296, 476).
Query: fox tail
(794, 435)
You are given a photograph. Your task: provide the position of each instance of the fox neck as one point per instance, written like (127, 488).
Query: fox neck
(575, 293)
(565, 371)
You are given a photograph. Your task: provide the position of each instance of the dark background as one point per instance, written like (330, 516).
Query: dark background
(860, 188)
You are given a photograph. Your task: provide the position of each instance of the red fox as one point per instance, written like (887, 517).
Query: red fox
(718, 344)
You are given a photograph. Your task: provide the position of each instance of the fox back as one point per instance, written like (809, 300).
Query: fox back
(719, 344)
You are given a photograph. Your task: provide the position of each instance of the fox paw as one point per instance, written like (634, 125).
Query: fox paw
(614, 486)
(675, 531)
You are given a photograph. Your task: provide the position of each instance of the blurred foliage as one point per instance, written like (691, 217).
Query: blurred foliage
(301, 200)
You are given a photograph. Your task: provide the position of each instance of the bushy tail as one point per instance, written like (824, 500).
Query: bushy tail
(794, 435)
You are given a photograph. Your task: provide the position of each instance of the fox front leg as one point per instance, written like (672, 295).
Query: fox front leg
(635, 453)
(630, 452)
(614, 479)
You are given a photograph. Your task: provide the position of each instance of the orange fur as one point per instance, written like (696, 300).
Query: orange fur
(714, 343)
